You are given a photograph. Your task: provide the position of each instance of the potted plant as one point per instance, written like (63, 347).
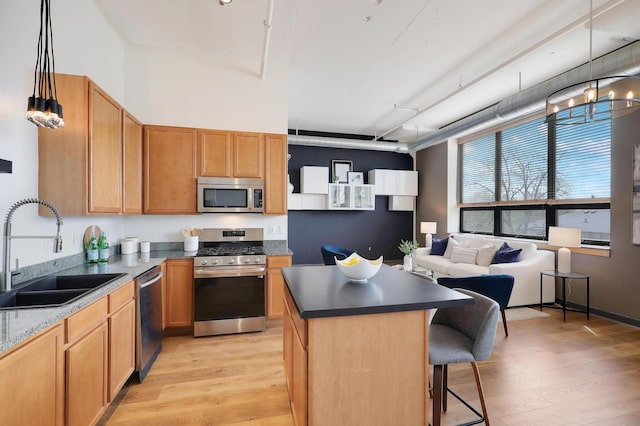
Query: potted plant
(408, 247)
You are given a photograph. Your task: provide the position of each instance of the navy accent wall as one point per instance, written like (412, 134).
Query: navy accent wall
(370, 233)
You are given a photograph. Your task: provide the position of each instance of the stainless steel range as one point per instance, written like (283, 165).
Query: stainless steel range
(229, 282)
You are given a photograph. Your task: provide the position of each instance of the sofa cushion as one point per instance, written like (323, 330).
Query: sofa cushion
(438, 246)
(486, 254)
(465, 269)
(464, 255)
(451, 244)
(507, 254)
(437, 264)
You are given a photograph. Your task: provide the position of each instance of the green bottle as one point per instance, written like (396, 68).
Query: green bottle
(103, 248)
(92, 248)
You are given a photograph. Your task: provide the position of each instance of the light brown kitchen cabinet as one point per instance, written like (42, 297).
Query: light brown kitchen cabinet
(275, 285)
(247, 155)
(86, 364)
(34, 372)
(178, 302)
(81, 165)
(131, 164)
(169, 170)
(122, 335)
(214, 151)
(276, 179)
(295, 359)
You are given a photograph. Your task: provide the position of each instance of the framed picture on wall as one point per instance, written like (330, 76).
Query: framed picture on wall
(340, 170)
(356, 178)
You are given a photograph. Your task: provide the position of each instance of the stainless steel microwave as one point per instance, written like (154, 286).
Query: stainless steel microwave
(230, 195)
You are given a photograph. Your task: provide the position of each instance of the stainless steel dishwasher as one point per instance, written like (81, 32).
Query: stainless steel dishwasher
(148, 320)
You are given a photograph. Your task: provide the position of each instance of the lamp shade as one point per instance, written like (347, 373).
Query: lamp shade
(564, 237)
(428, 227)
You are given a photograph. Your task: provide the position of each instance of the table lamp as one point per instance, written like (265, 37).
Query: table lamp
(428, 228)
(564, 237)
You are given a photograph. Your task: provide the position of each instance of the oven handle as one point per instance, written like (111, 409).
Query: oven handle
(248, 272)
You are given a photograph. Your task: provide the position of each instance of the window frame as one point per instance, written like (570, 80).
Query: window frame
(550, 205)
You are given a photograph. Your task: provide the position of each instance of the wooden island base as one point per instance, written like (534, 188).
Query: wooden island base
(358, 369)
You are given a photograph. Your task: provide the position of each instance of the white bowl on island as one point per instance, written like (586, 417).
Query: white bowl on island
(357, 268)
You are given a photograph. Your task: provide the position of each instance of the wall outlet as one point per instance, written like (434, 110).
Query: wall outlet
(272, 229)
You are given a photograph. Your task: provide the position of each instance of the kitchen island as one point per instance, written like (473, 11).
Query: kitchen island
(357, 354)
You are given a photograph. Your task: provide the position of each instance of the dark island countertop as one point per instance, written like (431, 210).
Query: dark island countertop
(323, 291)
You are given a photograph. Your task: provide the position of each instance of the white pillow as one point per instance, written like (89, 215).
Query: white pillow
(464, 255)
(485, 254)
(451, 244)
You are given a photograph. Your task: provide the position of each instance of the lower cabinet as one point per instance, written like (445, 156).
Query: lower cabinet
(122, 337)
(33, 381)
(68, 374)
(178, 302)
(86, 378)
(275, 285)
(295, 359)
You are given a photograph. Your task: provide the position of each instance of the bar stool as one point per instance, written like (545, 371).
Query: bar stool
(459, 335)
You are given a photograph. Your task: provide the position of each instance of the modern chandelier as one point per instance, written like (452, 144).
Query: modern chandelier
(43, 109)
(594, 100)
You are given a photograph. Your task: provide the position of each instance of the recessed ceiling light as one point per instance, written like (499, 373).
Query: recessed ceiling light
(223, 2)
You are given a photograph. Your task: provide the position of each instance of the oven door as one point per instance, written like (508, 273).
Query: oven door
(229, 302)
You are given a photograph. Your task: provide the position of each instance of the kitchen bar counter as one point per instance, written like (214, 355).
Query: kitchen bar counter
(358, 353)
(323, 291)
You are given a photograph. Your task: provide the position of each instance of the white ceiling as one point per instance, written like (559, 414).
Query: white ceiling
(393, 68)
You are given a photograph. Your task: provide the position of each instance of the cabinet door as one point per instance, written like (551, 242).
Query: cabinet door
(33, 381)
(131, 164)
(287, 347)
(299, 373)
(275, 285)
(105, 144)
(122, 345)
(169, 170)
(275, 148)
(86, 366)
(247, 155)
(179, 293)
(215, 153)
(407, 182)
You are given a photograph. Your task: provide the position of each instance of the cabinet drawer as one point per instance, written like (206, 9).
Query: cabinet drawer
(121, 296)
(85, 320)
(299, 324)
(278, 261)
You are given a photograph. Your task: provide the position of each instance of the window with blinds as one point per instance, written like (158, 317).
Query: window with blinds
(520, 180)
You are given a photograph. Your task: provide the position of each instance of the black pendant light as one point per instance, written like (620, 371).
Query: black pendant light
(43, 109)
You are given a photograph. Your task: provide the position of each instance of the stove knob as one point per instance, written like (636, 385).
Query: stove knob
(203, 262)
(256, 260)
(246, 260)
(214, 262)
(230, 261)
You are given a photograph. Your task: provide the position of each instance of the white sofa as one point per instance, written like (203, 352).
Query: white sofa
(526, 288)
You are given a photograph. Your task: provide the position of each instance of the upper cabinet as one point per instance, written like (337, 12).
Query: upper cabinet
(275, 179)
(394, 182)
(169, 170)
(81, 166)
(131, 164)
(230, 154)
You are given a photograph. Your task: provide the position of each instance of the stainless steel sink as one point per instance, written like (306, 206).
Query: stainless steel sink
(54, 290)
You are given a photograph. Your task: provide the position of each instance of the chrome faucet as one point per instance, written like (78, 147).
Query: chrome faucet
(5, 282)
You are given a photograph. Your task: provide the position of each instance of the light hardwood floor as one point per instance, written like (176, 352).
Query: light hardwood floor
(545, 373)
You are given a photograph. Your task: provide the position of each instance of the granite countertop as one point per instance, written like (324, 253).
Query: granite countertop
(17, 325)
(323, 291)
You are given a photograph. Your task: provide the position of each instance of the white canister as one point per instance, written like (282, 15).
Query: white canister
(191, 243)
(128, 246)
(145, 246)
(135, 241)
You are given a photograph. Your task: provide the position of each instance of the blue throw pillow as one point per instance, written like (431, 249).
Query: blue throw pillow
(506, 254)
(439, 246)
